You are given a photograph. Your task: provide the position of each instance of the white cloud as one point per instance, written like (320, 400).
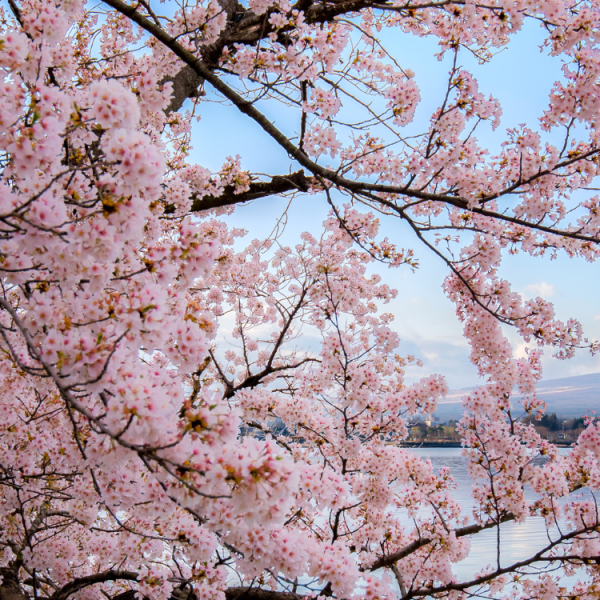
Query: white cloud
(543, 289)
(520, 348)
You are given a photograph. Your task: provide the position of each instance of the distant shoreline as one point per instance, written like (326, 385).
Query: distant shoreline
(453, 444)
(405, 444)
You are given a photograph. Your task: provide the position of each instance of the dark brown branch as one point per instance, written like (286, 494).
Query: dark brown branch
(186, 85)
(232, 593)
(83, 582)
(250, 30)
(258, 189)
(538, 557)
(16, 11)
(144, 452)
(253, 380)
(391, 559)
(10, 589)
(247, 593)
(247, 108)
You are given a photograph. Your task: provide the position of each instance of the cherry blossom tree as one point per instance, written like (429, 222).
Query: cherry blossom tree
(184, 420)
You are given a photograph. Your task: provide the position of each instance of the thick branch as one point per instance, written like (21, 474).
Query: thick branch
(232, 593)
(540, 556)
(247, 108)
(185, 85)
(391, 559)
(246, 593)
(258, 189)
(83, 582)
(10, 589)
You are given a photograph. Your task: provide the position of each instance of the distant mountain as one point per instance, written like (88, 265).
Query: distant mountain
(567, 397)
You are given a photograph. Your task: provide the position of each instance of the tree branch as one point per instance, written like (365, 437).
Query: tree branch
(83, 582)
(250, 593)
(279, 184)
(247, 108)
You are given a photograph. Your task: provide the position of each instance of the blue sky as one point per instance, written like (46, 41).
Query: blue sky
(520, 77)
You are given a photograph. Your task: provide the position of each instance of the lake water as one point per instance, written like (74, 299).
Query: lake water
(518, 540)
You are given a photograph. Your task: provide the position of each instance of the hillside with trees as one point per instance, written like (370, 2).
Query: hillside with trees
(569, 397)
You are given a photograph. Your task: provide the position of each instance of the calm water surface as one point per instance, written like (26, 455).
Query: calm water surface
(518, 540)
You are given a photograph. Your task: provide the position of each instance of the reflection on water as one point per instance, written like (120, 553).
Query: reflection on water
(518, 540)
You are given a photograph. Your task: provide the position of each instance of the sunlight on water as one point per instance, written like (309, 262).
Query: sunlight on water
(518, 540)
